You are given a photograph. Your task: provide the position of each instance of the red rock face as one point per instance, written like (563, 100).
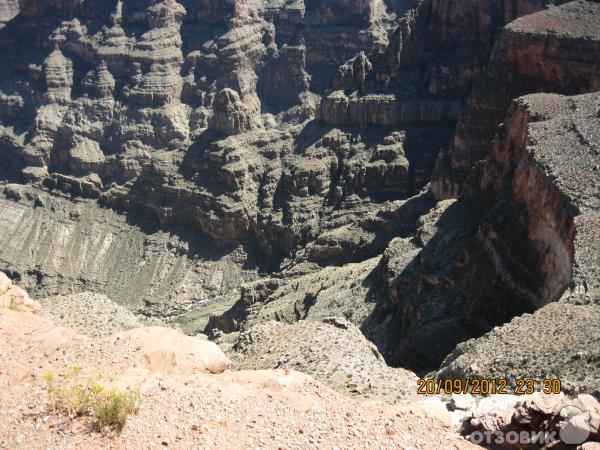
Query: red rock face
(539, 235)
(554, 50)
(442, 46)
(521, 239)
(528, 191)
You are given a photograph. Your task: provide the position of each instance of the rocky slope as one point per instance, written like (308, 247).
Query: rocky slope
(558, 341)
(56, 246)
(334, 351)
(89, 314)
(199, 402)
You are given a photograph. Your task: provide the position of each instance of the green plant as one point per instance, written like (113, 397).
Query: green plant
(112, 407)
(76, 396)
(69, 395)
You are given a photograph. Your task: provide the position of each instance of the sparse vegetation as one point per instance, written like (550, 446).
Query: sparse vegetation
(74, 396)
(112, 407)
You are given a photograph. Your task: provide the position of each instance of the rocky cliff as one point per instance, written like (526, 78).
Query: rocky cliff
(554, 50)
(510, 248)
(523, 238)
(539, 176)
(537, 237)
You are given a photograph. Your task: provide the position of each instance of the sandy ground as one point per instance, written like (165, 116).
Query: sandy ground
(186, 406)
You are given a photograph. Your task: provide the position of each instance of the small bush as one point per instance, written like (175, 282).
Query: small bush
(76, 396)
(112, 408)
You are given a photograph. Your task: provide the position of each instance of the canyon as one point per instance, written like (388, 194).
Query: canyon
(363, 191)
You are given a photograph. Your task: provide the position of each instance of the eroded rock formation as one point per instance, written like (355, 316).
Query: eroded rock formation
(510, 248)
(14, 298)
(555, 50)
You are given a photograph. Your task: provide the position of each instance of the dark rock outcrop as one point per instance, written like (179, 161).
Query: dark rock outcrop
(555, 50)
(427, 71)
(510, 248)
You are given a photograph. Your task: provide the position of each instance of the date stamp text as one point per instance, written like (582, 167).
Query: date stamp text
(488, 386)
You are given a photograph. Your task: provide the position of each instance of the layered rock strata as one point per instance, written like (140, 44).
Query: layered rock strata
(132, 101)
(538, 181)
(555, 50)
(510, 248)
(145, 102)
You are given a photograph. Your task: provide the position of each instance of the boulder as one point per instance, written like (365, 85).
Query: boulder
(462, 402)
(170, 352)
(14, 298)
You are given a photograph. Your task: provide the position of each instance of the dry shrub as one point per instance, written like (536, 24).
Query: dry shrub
(74, 396)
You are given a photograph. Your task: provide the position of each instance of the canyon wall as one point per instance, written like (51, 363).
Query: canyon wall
(554, 50)
(428, 71)
(533, 185)
(538, 239)
(510, 247)
(132, 103)
(167, 152)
